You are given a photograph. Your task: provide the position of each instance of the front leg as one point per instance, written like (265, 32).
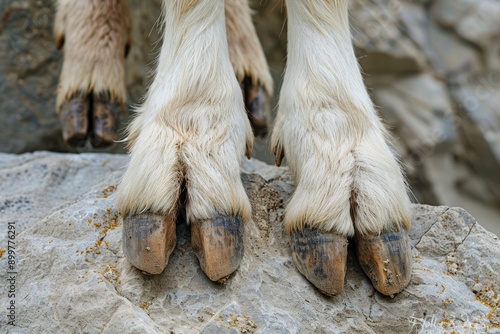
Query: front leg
(192, 131)
(348, 181)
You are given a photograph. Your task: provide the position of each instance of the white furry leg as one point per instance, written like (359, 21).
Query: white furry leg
(332, 137)
(191, 129)
(348, 180)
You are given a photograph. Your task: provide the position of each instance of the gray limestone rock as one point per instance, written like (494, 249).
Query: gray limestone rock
(29, 70)
(424, 127)
(478, 125)
(445, 51)
(475, 21)
(414, 55)
(380, 43)
(71, 276)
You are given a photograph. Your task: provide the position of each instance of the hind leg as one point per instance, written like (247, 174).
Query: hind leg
(348, 182)
(249, 63)
(91, 95)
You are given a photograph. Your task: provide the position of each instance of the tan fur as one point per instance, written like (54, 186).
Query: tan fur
(347, 177)
(245, 51)
(192, 126)
(95, 34)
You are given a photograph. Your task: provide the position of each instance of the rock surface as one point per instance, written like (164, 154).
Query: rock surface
(432, 66)
(72, 276)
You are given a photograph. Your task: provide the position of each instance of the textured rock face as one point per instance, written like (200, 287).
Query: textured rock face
(72, 276)
(29, 67)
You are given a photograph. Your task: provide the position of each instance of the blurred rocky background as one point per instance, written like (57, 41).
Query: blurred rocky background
(432, 68)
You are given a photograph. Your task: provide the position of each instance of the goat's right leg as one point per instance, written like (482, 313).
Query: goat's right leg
(91, 93)
(191, 131)
(348, 180)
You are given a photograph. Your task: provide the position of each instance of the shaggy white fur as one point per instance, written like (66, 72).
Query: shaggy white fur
(347, 177)
(192, 126)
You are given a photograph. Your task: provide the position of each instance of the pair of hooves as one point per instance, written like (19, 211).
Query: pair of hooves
(90, 117)
(149, 239)
(322, 256)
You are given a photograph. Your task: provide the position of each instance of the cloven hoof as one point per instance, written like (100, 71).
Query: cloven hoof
(94, 117)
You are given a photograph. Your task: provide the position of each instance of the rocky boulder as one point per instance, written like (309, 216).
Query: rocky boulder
(68, 274)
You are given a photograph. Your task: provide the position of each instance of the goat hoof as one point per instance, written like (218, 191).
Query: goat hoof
(75, 121)
(94, 117)
(148, 241)
(218, 244)
(258, 107)
(105, 120)
(321, 257)
(386, 260)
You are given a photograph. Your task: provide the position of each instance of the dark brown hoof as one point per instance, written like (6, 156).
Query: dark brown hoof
(105, 121)
(74, 117)
(257, 106)
(321, 257)
(218, 244)
(148, 241)
(386, 259)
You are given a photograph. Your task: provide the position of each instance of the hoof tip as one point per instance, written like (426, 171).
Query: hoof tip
(386, 260)
(218, 244)
(148, 241)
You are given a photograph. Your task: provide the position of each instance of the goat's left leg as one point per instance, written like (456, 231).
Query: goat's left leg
(348, 181)
(192, 131)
